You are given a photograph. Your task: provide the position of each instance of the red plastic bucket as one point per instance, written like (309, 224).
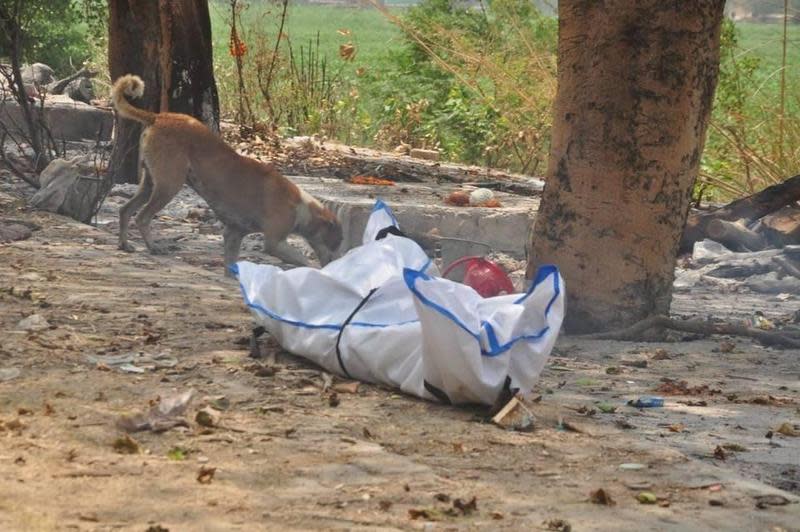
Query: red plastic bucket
(483, 275)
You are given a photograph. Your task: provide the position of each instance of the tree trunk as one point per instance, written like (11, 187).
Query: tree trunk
(165, 40)
(636, 83)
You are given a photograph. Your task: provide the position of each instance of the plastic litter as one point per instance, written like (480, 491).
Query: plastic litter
(134, 362)
(632, 466)
(165, 414)
(381, 313)
(647, 402)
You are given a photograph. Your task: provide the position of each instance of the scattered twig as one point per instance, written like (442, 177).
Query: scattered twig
(637, 330)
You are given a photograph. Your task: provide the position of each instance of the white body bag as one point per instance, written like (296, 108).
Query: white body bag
(381, 314)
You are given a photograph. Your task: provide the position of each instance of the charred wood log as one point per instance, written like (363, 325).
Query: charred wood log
(735, 235)
(751, 208)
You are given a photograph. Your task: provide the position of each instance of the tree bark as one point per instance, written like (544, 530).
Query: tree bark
(168, 44)
(636, 83)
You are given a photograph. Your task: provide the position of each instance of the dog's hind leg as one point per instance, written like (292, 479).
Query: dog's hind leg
(232, 238)
(168, 176)
(134, 204)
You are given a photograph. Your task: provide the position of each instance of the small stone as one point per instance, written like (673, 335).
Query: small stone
(428, 155)
(34, 322)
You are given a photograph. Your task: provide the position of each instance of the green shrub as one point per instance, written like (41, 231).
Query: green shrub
(476, 84)
(56, 32)
(744, 152)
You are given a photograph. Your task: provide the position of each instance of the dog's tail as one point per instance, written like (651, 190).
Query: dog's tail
(130, 86)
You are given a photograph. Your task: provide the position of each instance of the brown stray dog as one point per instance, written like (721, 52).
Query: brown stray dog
(248, 196)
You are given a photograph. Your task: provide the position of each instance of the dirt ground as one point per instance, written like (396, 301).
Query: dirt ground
(288, 456)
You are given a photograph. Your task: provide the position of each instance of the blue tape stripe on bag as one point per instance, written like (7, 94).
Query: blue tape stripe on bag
(306, 325)
(411, 276)
(380, 205)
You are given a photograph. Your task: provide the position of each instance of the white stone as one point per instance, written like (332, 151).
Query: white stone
(480, 196)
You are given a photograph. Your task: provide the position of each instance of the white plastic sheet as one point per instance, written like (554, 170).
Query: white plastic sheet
(381, 314)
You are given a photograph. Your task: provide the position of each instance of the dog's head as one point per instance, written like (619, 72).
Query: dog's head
(323, 232)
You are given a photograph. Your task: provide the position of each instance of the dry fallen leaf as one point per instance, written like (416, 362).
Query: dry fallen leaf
(347, 51)
(726, 346)
(208, 417)
(787, 429)
(206, 474)
(370, 180)
(681, 387)
(559, 525)
(126, 445)
(734, 447)
(333, 400)
(661, 354)
(466, 508)
(425, 513)
(601, 496)
(14, 424)
(764, 501)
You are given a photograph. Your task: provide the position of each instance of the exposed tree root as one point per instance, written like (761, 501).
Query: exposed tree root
(636, 331)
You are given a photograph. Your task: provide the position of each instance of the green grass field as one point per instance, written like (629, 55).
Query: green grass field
(373, 78)
(765, 42)
(374, 37)
(369, 31)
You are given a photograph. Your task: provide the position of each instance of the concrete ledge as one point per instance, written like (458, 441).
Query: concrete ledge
(421, 209)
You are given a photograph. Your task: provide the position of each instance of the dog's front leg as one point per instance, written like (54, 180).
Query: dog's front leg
(232, 239)
(284, 251)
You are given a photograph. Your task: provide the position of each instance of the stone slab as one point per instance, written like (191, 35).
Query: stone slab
(420, 209)
(68, 119)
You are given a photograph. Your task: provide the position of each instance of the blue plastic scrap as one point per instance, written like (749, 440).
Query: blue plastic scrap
(647, 402)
